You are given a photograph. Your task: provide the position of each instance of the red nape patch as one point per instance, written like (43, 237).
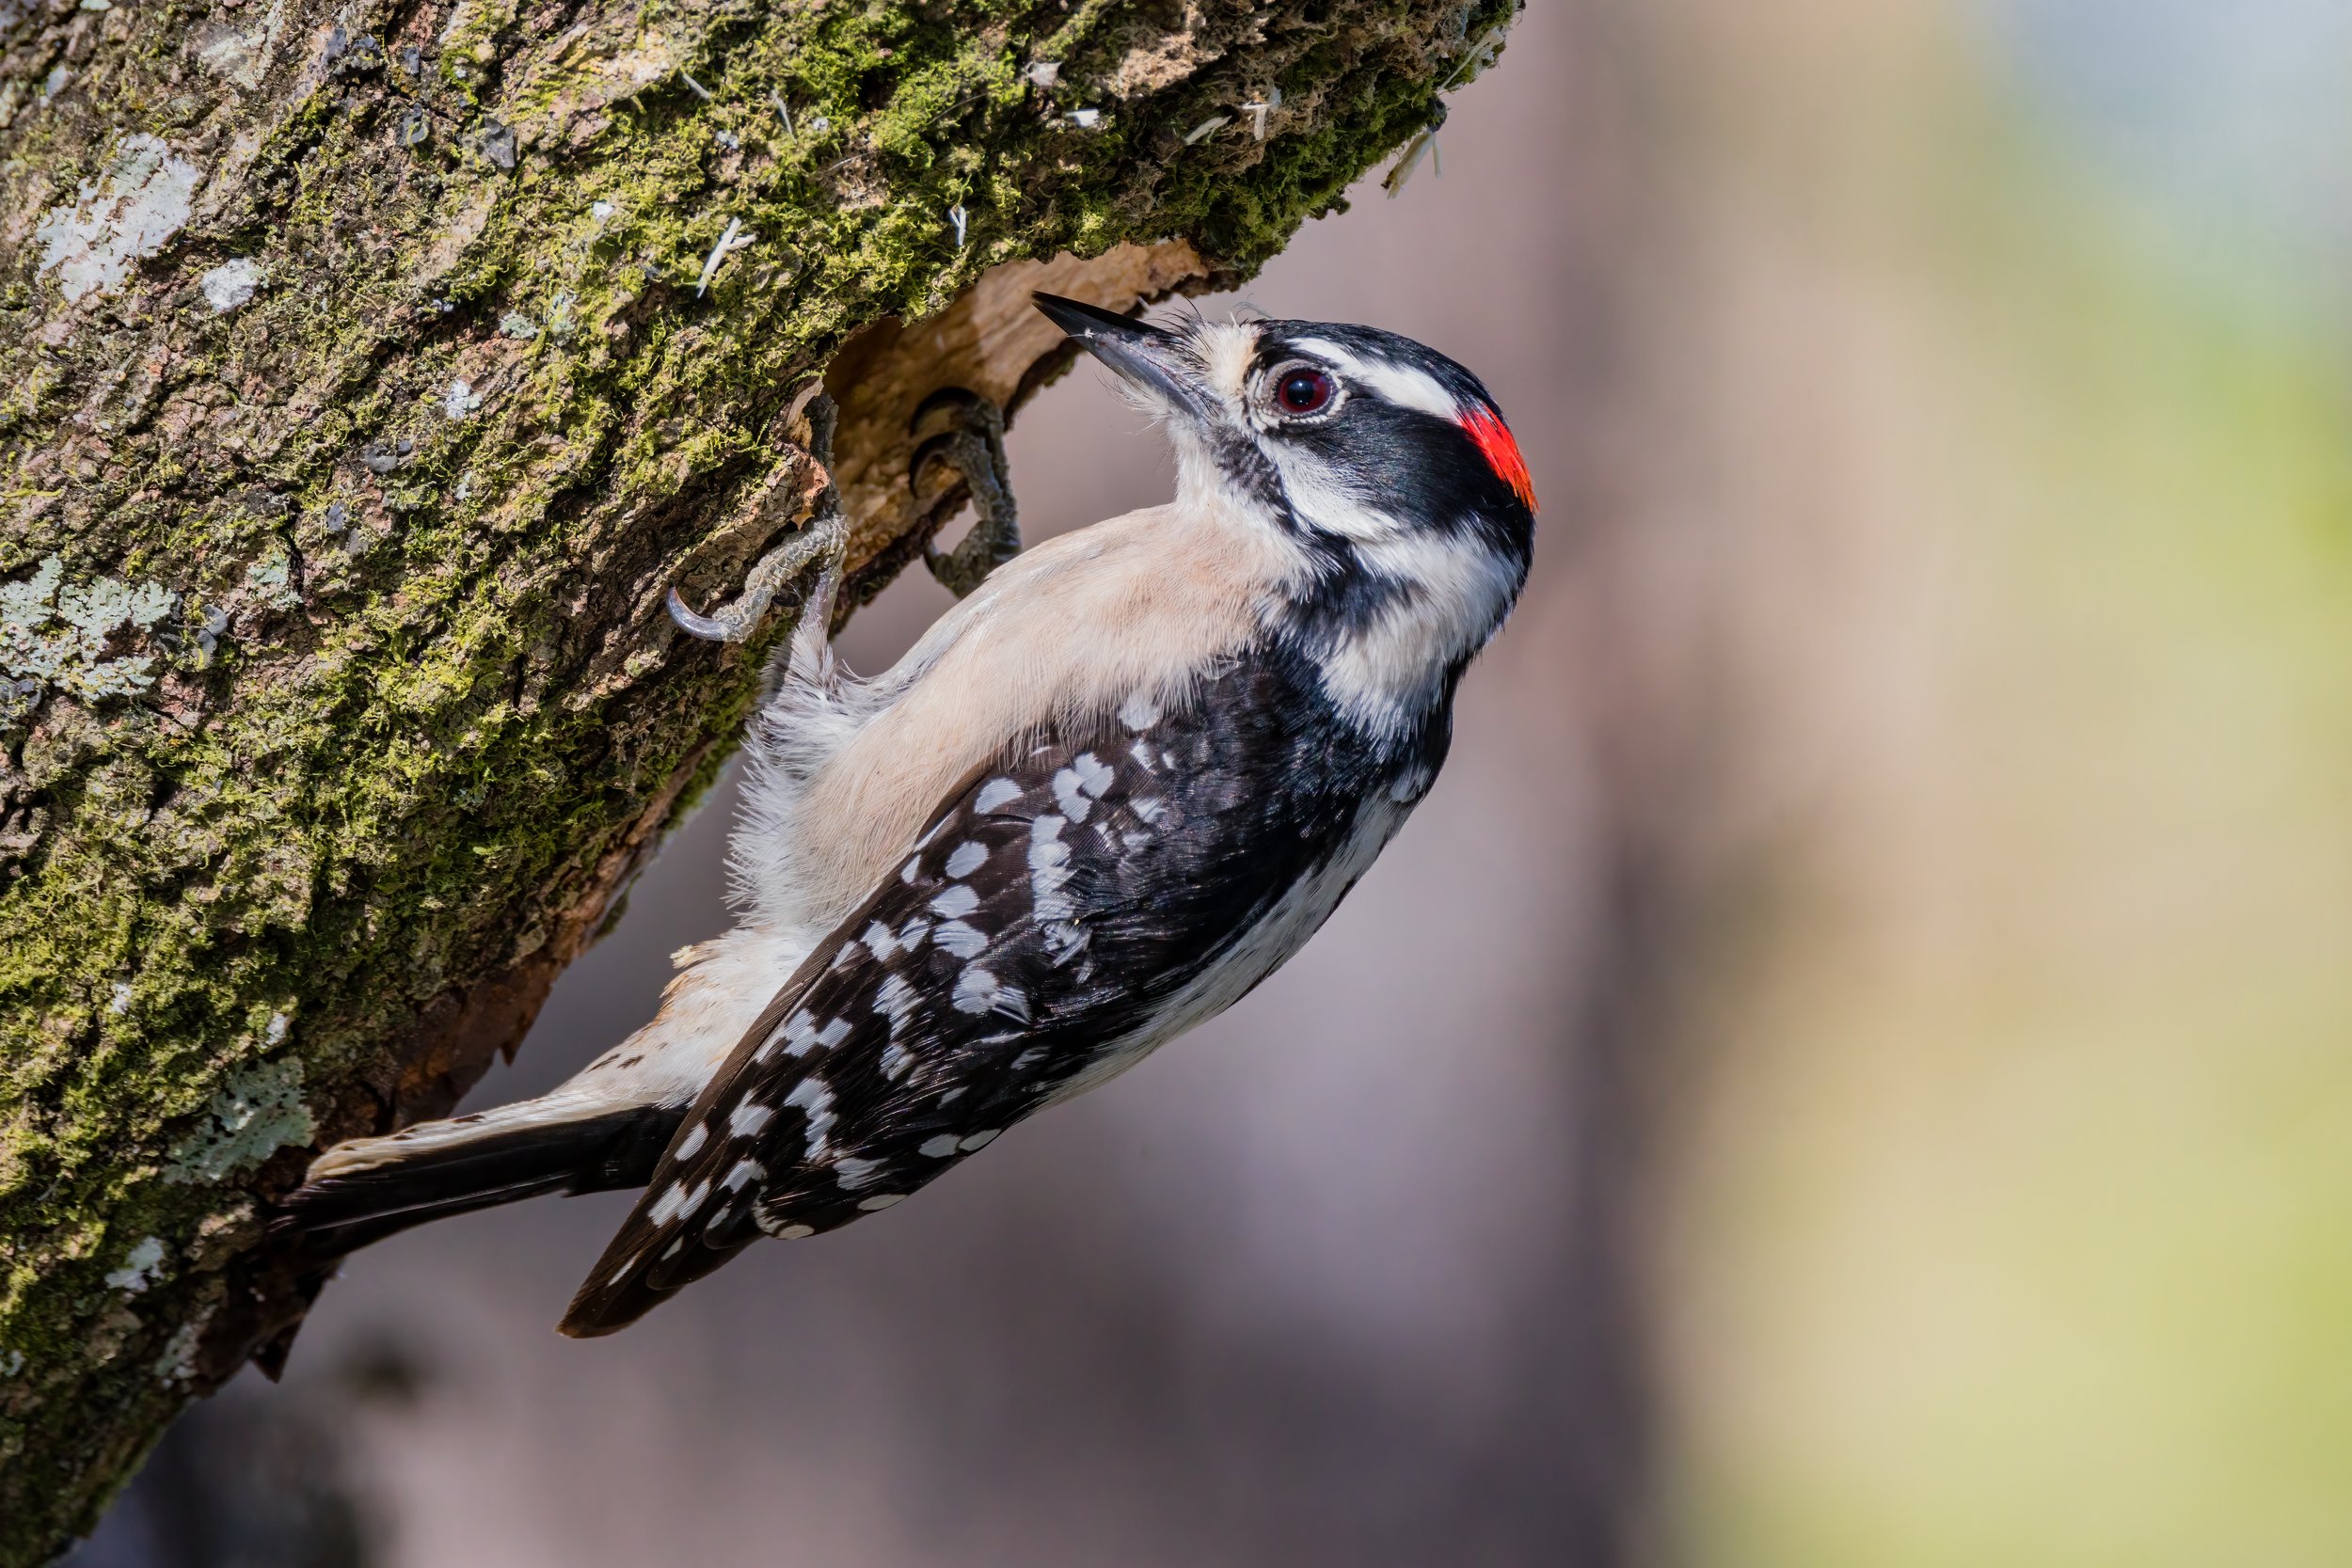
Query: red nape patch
(1493, 439)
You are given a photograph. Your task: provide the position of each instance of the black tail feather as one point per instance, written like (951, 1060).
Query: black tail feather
(337, 1215)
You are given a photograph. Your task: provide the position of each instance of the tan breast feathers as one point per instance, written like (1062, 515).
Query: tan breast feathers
(1070, 630)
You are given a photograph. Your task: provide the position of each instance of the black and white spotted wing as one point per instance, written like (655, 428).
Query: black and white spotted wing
(1058, 907)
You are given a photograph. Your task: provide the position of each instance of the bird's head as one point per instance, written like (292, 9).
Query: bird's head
(1385, 463)
(1350, 433)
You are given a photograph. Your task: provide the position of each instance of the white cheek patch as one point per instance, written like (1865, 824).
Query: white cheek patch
(1385, 669)
(1400, 384)
(1318, 496)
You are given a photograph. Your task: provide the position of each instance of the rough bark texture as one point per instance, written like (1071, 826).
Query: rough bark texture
(367, 374)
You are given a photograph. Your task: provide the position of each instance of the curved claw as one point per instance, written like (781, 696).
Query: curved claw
(931, 452)
(968, 439)
(964, 400)
(823, 539)
(704, 626)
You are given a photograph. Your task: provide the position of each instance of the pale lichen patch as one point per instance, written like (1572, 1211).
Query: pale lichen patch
(231, 284)
(141, 1267)
(239, 54)
(256, 1113)
(176, 1364)
(55, 635)
(91, 242)
(272, 579)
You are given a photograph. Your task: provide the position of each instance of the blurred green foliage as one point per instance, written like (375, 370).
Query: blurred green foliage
(2013, 1229)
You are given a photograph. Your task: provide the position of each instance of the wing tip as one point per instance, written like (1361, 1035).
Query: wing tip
(582, 1322)
(630, 1282)
(616, 1293)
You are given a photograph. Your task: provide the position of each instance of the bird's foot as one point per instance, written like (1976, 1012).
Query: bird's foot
(823, 539)
(966, 440)
(823, 542)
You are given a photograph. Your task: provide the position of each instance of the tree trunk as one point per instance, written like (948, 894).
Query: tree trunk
(367, 376)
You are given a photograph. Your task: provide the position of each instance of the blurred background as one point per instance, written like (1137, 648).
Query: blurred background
(1848, 1067)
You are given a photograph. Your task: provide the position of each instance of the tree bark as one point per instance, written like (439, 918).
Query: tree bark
(368, 373)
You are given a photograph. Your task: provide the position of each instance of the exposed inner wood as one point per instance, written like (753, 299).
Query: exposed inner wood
(989, 342)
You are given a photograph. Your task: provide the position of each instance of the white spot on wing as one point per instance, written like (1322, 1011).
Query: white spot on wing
(1064, 939)
(798, 1032)
(969, 857)
(854, 1173)
(957, 902)
(939, 1148)
(693, 1141)
(1094, 775)
(679, 1201)
(979, 992)
(814, 1101)
(979, 1140)
(746, 1119)
(997, 793)
(963, 941)
(1140, 711)
(1049, 869)
(897, 999)
(1067, 795)
(742, 1174)
(878, 1201)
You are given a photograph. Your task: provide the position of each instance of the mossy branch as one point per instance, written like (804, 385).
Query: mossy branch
(368, 372)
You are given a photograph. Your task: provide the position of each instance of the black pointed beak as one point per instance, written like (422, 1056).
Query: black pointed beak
(1143, 355)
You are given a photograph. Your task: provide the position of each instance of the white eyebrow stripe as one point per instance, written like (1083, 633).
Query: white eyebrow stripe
(1400, 383)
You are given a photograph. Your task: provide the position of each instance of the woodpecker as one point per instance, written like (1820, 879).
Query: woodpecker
(1111, 790)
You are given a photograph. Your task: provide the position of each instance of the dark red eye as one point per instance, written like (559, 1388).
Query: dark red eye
(1303, 391)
